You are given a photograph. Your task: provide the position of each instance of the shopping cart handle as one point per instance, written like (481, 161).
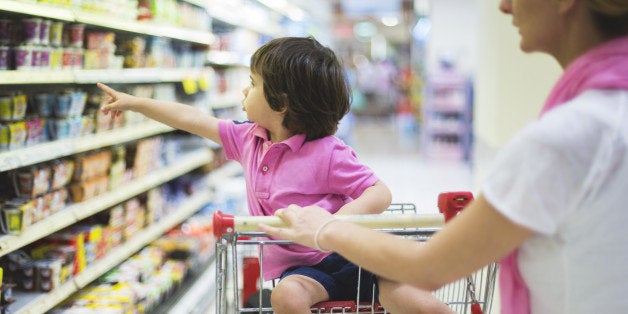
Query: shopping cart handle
(226, 224)
(451, 203)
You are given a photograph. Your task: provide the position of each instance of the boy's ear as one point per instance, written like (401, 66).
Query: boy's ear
(284, 103)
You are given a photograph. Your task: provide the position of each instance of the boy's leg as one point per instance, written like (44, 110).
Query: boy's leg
(295, 294)
(401, 298)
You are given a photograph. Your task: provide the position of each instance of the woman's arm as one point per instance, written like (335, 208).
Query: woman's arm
(475, 238)
(373, 200)
(176, 115)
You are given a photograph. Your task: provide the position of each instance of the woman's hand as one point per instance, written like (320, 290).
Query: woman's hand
(116, 101)
(302, 224)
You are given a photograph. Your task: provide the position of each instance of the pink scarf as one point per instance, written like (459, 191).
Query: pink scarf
(603, 67)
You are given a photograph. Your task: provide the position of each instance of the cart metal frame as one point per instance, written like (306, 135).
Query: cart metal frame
(473, 294)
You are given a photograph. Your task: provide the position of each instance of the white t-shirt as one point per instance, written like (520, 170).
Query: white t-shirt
(565, 176)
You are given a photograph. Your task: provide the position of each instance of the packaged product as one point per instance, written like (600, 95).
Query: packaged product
(32, 181)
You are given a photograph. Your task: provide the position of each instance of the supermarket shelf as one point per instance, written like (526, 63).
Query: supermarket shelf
(31, 303)
(121, 253)
(37, 9)
(40, 303)
(267, 4)
(227, 170)
(140, 75)
(79, 211)
(178, 74)
(36, 77)
(223, 101)
(146, 27)
(451, 129)
(227, 59)
(104, 20)
(202, 292)
(199, 3)
(230, 14)
(27, 156)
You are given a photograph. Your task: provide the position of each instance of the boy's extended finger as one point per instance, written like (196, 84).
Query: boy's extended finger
(106, 88)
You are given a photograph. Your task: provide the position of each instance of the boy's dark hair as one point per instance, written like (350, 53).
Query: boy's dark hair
(307, 80)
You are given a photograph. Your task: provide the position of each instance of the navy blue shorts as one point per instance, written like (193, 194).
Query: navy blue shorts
(339, 277)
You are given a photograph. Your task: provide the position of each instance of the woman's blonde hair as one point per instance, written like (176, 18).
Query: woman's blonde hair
(610, 16)
(609, 7)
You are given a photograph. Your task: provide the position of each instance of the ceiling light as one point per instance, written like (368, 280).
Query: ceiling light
(390, 21)
(365, 29)
(286, 8)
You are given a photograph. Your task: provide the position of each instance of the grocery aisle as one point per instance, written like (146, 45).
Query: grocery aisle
(397, 159)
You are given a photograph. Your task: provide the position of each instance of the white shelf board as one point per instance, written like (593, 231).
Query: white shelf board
(73, 14)
(228, 169)
(199, 3)
(36, 76)
(185, 34)
(203, 288)
(79, 211)
(227, 58)
(233, 16)
(27, 156)
(229, 100)
(139, 75)
(37, 9)
(37, 303)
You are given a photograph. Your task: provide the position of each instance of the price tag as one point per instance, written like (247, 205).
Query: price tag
(189, 86)
(203, 83)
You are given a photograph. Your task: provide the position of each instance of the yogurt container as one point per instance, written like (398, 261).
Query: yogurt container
(31, 27)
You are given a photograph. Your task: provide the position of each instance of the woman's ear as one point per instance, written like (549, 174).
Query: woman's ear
(564, 6)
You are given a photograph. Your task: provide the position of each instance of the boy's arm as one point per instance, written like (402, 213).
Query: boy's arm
(176, 115)
(373, 200)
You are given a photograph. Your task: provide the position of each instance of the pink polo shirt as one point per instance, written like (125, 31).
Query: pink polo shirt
(324, 172)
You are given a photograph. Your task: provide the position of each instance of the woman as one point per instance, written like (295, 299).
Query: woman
(552, 207)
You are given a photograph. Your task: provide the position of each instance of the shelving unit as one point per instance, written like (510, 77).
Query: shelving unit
(447, 129)
(40, 303)
(232, 13)
(22, 157)
(76, 212)
(145, 75)
(27, 156)
(223, 12)
(71, 14)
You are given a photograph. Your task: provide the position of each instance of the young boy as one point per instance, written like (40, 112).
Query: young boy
(296, 97)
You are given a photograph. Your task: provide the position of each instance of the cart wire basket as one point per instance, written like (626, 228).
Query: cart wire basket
(241, 289)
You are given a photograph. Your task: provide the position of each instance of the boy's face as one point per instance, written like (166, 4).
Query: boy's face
(256, 106)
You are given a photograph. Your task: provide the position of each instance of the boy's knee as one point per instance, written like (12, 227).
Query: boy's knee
(398, 298)
(285, 300)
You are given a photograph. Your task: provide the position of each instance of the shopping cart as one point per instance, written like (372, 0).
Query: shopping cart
(241, 247)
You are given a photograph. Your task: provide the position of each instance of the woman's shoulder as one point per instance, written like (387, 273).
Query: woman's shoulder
(576, 128)
(590, 114)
